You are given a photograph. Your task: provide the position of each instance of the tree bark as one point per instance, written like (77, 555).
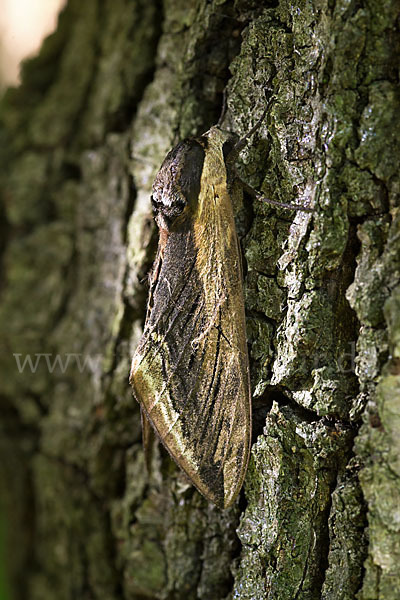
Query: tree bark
(81, 139)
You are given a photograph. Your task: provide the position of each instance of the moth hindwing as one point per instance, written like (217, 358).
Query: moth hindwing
(190, 371)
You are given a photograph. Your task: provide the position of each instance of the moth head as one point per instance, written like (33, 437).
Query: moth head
(218, 138)
(177, 183)
(221, 137)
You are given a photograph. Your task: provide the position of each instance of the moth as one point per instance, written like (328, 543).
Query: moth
(190, 372)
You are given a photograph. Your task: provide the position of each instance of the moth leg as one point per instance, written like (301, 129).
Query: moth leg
(252, 192)
(148, 439)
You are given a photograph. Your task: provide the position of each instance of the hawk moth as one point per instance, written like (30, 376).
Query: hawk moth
(190, 372)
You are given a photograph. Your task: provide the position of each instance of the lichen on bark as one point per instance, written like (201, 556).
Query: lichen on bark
(80, 142)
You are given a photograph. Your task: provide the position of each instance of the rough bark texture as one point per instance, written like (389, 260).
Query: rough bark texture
(81, 140)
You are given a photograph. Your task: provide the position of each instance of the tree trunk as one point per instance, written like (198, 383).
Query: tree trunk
(112, 90)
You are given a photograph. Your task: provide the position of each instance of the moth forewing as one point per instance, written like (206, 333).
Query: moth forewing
(190, 372)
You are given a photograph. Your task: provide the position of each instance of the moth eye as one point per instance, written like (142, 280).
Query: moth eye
(157, 204)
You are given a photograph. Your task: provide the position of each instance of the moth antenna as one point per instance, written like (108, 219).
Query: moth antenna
(238, 147)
